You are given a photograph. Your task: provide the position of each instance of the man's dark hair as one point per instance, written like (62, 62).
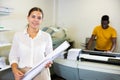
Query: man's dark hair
(105, 18)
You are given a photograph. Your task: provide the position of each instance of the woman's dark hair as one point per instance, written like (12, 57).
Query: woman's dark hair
(36, 9)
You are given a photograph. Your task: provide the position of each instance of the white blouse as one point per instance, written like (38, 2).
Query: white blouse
(28, 52)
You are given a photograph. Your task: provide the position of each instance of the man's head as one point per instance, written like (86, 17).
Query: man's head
(105, 21)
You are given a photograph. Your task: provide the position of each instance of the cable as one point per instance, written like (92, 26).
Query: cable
(78, 56)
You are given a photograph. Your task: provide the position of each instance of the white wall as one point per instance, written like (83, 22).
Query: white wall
(78, 16)
(81, 16)
(17, 19)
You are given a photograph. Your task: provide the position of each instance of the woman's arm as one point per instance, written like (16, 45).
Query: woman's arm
(18, 75)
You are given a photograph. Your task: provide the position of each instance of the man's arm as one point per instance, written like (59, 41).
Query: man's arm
(114, 40)
(88, 45)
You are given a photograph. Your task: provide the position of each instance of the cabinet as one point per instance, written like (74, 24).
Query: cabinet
(84, 70)
(6, 75)
(5, 71)
(4, 45)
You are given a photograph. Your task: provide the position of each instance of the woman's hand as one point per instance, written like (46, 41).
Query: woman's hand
(18, 74)
(49, 64)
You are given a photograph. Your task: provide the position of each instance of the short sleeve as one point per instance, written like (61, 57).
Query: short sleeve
(95, 31)
(114, 33)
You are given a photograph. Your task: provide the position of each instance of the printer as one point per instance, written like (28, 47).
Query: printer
(98, 56)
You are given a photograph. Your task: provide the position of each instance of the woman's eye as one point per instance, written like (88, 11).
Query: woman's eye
(39, 18)
(33, 16)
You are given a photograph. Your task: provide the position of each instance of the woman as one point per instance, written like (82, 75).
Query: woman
(30, 47)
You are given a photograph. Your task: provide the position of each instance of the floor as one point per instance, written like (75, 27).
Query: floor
(55, 77)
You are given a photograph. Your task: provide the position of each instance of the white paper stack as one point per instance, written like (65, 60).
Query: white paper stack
(94, 57)
(73, 53)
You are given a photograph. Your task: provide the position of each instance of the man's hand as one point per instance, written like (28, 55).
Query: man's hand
(108, 51)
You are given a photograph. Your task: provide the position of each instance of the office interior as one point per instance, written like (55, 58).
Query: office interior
(76, 18)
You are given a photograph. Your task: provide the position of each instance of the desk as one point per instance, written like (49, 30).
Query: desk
(83, 70)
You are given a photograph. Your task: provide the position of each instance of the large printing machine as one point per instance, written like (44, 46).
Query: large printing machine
(88, 65)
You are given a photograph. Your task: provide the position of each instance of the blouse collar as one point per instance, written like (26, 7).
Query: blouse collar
(25, 32)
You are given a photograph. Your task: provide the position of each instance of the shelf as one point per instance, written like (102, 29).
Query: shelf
(5, 10)
(4, 13)
(3, 29)
(4, 44)
(5, 68)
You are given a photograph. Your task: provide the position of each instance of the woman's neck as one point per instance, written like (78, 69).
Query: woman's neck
(32, 32)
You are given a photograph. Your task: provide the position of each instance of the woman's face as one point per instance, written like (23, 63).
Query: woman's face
(35, 19)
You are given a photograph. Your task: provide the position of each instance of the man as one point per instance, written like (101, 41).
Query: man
(105, 36)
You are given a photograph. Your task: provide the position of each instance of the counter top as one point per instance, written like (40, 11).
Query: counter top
(7, 67)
